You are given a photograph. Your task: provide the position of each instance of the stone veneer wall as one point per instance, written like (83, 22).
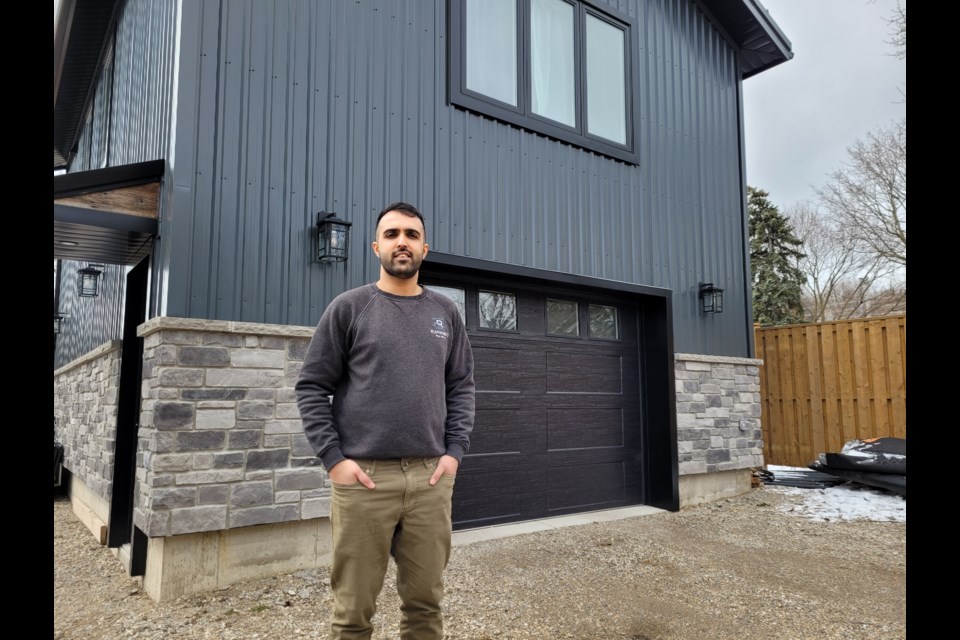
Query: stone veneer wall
(718, 413)
(220, 442)
(85, 401)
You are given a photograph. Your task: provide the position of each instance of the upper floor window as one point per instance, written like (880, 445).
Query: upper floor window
(558, 67)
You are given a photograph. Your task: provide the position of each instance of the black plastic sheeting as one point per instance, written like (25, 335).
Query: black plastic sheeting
(803, 478)
(877, 462)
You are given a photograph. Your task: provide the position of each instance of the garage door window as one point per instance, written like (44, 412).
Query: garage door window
(498, 310)
(562, 318)
(457, 295)
(603, 322)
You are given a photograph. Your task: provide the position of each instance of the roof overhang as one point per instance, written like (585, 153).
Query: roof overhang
(81, 38)
(107, 215)
(749, 27)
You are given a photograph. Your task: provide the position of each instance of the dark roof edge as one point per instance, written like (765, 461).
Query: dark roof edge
(777, 38)
(96, 180)
(750, 29)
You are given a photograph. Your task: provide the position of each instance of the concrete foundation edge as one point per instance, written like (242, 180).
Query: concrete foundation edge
(707, 487)
(92, 510)
(199, 562)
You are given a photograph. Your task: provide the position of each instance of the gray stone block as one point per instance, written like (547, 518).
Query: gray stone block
(202, 461)
(305, 462)
(173, 498)
(297, 348)
(244, 439)
(155, 524)
(255, 409)
(287, 411)
(216, 418)
(163, 441)
(276, 441)
(267, 459)
(244, 378)
(170, 377)
(257, 358)
(173, 415)
(210, 476)
(715, 456)
(251, 494)
(213, 394)
(286, 496)
(223, 339)
(264, 515)
(204, 356)
(162, 479)
(228, 460)
(300, 446)
(283, 426)
(287, 394)
(213, 494)
(171, 462)
(198, 519)
(310, 478)
(201, 440)
(273, 342)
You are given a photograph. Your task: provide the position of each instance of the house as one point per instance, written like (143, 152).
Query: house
(580, 164)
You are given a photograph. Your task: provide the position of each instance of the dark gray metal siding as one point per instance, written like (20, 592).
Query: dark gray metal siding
(130, 120)
(90, 322)
(287, 108)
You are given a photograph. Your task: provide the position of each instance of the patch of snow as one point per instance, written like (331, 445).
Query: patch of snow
(847, 501)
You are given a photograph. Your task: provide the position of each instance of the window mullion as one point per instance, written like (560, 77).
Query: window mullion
(523, 58)
(580, 64)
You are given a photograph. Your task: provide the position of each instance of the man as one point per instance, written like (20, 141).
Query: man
(397, 361)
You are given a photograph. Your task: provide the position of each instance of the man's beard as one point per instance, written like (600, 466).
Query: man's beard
(406, 271)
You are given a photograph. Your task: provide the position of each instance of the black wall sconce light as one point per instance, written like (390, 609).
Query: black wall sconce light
(58, 319)
(333, 237)
(88, 281)
(711, 298)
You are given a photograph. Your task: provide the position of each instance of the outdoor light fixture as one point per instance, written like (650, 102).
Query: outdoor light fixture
(333, 236)
(58, 319)
(711, 298)
(88, 281)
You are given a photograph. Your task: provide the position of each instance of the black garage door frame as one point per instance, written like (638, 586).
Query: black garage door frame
(655, 344)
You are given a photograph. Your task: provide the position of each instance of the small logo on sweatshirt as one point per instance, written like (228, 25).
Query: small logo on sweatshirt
(439, 329)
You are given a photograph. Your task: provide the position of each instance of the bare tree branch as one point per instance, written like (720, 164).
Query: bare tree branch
(869, 194)
(843, 279)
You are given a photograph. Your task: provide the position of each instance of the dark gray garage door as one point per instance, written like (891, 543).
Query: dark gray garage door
(558, 403)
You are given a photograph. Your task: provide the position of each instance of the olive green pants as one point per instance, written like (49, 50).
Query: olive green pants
(405, 517)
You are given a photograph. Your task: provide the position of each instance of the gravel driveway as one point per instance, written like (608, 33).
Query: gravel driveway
(741, 568)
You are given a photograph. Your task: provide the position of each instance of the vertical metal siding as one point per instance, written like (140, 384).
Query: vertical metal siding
(129, 120)
(290, 107)
(89, 322)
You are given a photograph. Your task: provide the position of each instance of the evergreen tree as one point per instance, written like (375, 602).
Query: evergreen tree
(774, 252)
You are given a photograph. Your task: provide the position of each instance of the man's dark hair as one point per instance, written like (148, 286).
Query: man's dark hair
(402, 207)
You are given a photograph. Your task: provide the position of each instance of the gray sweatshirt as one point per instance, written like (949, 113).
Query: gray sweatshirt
(400, 371)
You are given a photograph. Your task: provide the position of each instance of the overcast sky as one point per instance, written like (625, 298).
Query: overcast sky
(843, 82)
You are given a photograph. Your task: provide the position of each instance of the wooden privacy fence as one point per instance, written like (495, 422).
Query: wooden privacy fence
(824, 384)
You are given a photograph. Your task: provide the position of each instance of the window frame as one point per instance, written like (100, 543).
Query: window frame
(522, 115)
(516, 309)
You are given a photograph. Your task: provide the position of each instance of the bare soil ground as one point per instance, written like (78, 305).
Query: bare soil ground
(741, 568)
